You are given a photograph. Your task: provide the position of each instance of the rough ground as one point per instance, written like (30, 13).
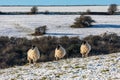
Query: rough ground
(103, 67)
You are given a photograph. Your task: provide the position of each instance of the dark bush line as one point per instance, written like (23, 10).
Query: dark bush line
(97, 13)
(58, 13)
(14, 50)
(105, 44)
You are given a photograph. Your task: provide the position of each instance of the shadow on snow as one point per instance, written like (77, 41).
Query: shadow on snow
(106, 26)
(62, 34)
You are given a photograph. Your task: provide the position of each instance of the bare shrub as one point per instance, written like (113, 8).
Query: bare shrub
(83, 21)
(112, 9)
(34, 10)
(88, 11)
(40, 30)
(46, 12)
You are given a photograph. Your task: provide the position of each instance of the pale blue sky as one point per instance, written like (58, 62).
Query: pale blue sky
(59, 2)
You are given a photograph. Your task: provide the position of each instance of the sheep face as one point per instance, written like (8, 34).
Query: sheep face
(84, 42)
(58, 47)
(33, 47)
(85, 49)
(59, 52)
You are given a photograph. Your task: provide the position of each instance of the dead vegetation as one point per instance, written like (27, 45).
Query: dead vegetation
(14, 50)
(40, 31)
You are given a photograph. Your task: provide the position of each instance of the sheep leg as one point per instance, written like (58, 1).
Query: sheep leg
(82, 55)
(34, 61)
(29, 60)
(56, 58)
(86, 55)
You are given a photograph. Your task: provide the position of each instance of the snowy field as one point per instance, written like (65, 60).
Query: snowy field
(57, 25)
(102, 67)
(57, 8)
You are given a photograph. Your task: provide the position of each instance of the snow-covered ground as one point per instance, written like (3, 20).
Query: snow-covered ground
(102, 67)
(56, 8)
(57, 25)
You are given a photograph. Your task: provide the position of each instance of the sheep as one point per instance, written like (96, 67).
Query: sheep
(33, 54)
(85, 49)
(60, 52)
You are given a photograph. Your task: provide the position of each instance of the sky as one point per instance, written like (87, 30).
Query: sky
(59, 2)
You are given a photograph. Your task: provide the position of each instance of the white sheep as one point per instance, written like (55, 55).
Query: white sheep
(85, 48)
(60, 52)
(33, 54)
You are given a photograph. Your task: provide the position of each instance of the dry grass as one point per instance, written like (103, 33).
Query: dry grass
(13, 50)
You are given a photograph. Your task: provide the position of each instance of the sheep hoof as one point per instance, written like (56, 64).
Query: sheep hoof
(26, 64)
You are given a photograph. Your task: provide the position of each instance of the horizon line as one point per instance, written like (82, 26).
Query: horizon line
(56, 5)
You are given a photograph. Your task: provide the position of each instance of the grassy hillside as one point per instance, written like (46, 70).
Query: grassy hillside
(102, 67)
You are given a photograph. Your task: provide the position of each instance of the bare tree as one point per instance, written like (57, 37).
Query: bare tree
(88, 11)
(112, 9)
(34, 10)
(83, 21)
